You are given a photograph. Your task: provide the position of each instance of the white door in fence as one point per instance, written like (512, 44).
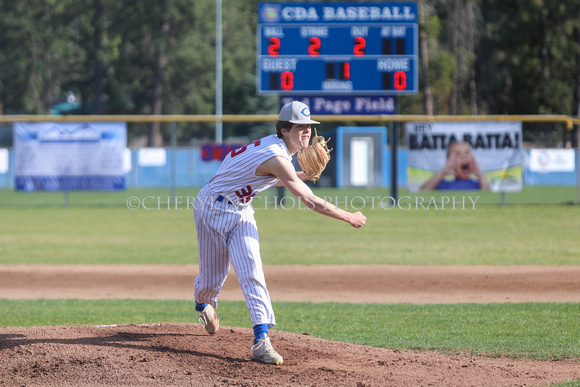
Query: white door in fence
(361, 161)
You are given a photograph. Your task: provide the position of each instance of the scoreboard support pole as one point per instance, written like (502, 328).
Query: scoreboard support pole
(394, 140)
(219, 110)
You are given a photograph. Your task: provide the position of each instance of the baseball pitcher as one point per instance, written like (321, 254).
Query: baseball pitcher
(225, 224)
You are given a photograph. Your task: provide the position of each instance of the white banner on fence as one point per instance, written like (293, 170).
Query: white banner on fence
(69, 155)
(464, 155)
(152, 157)
(552, 160)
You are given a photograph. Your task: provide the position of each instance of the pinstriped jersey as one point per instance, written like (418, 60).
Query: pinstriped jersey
(236, 178)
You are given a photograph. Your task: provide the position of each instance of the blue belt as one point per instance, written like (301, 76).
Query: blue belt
(225, 200)
(221, 198)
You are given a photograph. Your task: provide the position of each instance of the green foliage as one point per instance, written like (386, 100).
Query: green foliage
(443, 66)
(529, 61)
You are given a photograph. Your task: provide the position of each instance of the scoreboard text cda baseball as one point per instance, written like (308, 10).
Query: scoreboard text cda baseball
(337, 48)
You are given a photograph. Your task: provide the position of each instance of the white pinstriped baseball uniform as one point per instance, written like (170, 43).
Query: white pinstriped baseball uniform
(226, 228)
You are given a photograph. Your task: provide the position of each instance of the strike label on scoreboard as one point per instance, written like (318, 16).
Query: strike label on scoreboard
(337, 48)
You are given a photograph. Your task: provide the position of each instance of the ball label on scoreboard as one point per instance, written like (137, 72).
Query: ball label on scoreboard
(337, 48)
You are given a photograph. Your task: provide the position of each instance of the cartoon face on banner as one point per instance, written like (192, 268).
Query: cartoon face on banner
(465, 156)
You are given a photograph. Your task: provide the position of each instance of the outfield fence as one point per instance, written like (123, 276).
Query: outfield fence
(184, 167)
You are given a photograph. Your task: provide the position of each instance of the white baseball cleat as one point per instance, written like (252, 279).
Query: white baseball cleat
(209, 319)
(264, 352)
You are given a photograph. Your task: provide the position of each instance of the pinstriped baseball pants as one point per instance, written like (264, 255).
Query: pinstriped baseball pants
(227, 232)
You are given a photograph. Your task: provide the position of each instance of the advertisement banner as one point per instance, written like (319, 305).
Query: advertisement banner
(552, 160)
(464, 156)
(69, 156)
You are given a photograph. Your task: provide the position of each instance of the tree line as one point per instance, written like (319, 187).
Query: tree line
(158, 57)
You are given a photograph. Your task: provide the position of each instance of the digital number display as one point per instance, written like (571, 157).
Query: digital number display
(337, 48)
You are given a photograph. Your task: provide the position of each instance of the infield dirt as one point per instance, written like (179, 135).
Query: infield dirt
(183, 354)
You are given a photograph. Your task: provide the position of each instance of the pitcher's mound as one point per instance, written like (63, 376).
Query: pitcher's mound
(183, 354)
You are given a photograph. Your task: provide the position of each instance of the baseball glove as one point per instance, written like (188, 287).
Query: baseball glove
(315, 157)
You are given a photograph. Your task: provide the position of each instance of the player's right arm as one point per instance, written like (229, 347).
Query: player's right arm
(301, 175)
(285, 172)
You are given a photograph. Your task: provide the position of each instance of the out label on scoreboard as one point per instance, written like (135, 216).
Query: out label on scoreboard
(337, 48)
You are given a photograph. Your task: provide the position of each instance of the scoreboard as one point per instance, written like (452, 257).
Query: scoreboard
(337, 48)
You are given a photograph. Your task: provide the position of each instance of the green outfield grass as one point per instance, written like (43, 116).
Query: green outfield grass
(422, 234)
(562, 195)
